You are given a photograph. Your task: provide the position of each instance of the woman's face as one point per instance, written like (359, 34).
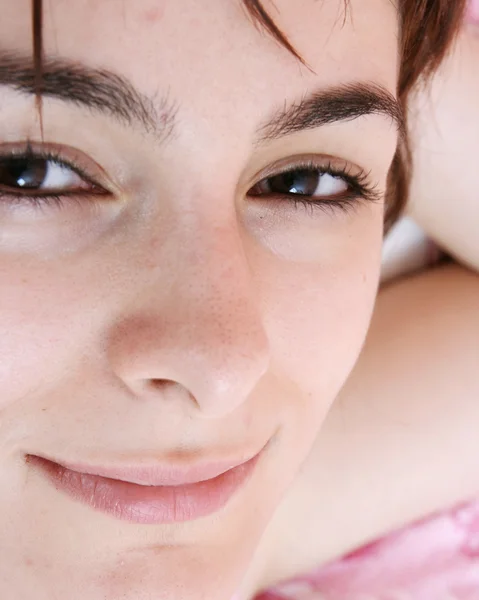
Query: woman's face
(186, 302)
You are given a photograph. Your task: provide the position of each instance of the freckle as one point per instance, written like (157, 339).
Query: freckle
(153, 15)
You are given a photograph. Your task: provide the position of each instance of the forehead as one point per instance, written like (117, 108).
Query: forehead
(211, 54)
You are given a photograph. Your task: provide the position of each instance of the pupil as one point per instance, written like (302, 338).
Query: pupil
(302, 181)
(23, 172)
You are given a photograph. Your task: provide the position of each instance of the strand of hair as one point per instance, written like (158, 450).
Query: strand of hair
(37, 26)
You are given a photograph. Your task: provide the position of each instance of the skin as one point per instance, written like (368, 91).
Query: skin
(445, 134)
(93, 308)
(395, 446)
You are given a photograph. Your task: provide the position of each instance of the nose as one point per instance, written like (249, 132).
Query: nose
(196, 330)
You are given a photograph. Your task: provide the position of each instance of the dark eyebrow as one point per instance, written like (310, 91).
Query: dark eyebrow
(96, 89)
(104, 91)
(341, 103)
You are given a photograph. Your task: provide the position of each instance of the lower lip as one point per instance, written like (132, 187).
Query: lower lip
(148, 504)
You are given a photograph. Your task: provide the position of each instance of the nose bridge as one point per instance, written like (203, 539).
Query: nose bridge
(206, 333)
(222, 327)
(217, 275)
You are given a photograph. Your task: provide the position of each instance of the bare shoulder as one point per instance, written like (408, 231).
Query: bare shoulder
(401, 440)
(422, 316)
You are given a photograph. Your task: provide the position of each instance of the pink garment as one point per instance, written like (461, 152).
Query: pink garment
(434, 559)
(473, 11)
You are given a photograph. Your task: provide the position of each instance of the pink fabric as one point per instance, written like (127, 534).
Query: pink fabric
(473, 11)
(434, 559)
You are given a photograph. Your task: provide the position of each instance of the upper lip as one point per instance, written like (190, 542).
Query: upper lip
(157, 473)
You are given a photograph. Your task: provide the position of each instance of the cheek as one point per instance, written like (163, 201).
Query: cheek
(25, 339)
(318, 315)
(39, 329)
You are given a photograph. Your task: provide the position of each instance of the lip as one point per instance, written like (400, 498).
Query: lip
(156, 495)
(156, 474)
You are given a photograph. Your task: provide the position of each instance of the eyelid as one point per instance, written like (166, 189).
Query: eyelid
(72, 158)
(298, 161)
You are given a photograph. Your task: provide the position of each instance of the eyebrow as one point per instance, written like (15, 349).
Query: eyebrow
(103, 91)
(328, 106)
(99, 90)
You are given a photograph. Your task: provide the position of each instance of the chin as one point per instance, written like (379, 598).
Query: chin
(180, 573)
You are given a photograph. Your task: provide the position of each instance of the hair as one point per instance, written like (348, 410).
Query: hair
(427, 30)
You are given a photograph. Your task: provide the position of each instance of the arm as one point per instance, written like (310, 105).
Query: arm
(403, 433)
(444, 124)
(401, 441)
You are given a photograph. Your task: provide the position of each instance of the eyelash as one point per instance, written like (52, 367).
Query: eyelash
(360, 186)
(361, 189)
(59, 200)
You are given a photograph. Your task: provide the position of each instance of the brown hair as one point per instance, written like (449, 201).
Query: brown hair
(427, 29)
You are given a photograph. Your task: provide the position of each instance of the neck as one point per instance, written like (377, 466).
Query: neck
(262, 572)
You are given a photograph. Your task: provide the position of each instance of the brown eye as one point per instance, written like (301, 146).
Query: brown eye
(23, 172)
(37, 174)
(303, 182)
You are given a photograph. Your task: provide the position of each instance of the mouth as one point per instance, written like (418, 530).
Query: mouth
(183, 495)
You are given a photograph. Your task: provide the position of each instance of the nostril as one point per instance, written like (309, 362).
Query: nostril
(170, 389)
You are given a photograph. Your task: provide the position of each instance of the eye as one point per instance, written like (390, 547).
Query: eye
(30, 174)
(48, 176)
(312, 183)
